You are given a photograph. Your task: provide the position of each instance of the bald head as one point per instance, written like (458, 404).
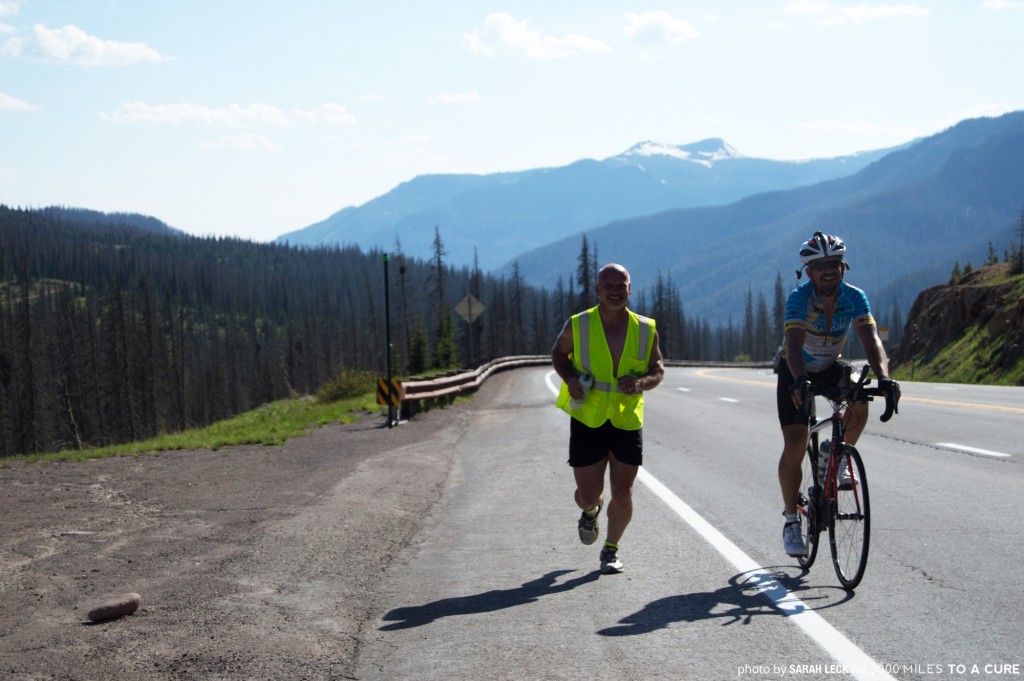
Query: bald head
(613, 287)
(613, 267)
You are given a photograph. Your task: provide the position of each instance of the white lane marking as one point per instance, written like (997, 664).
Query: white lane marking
(972, 450)
(729, 399)
(852, 659)
(855, 661)
(683, 390)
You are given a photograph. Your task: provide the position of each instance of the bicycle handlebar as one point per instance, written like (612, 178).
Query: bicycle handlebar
(858, 392)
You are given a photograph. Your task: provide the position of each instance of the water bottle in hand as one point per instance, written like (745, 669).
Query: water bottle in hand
(586, 381)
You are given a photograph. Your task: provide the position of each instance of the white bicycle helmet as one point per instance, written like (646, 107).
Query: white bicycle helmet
(822, 246)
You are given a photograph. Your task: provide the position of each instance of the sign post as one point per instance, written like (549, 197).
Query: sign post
(387, 339)
(469, 308)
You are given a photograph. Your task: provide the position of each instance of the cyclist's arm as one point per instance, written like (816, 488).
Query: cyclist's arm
(873, 349)
(795, 337)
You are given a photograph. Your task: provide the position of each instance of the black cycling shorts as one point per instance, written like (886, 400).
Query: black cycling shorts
(789, 415)
(588, 446)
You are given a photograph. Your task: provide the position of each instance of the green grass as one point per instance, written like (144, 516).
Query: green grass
(972, 359)
(269, 425)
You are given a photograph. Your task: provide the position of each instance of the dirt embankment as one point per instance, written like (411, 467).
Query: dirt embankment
(984, 299)
(251, 562)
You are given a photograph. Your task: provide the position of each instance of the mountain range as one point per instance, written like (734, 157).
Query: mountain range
(490, 219)
(907, 219)
(718, 224)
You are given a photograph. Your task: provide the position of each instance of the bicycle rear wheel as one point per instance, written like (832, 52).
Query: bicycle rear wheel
(849, 524)
(810, 528)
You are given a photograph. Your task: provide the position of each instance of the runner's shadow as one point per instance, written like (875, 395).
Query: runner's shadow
(488, 601)
(745, 597)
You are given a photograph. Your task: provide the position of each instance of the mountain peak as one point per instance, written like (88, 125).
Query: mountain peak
(704, 152)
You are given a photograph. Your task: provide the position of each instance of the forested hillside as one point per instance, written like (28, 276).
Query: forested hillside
(110, 333)
(113, 332)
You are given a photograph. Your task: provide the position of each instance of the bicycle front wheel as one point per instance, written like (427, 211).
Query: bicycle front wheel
(849, 521)
(810, 529)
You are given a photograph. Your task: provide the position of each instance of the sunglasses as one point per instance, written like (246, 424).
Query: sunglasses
(821, 266)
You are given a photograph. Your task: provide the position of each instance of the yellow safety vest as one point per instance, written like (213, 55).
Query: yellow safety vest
(591, 355)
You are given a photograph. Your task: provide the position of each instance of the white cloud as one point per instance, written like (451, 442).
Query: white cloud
(8, 103)
(331, 114)
(832, 13)
(857, 127)
(72, 45)
(8, 8)
(11, 48)
(472, 97)
(986, 110)
(240, 143)
(233, 115)
(876, 131)
(410, 138)
(502, 32)
(658, 27)
(807, 7)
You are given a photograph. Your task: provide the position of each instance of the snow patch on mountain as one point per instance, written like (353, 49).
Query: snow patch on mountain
(706, 152)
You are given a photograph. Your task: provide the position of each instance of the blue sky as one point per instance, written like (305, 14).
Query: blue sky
(254, 118)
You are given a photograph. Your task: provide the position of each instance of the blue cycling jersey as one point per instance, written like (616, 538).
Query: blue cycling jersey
(824, 343)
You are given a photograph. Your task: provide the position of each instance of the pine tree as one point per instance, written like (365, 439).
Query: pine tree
(993, 257)
(747, 331)
(584, 276)
(1018, 266)
(419, 351)
(517, 309)
(763, 347)
(778, 311)
(446, 352)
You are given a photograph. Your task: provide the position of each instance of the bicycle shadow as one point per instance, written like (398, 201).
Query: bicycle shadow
(488, 601)
(747, 595)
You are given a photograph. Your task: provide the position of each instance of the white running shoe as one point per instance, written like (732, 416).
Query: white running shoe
(792, 541)
(847, 476)
(610, 563)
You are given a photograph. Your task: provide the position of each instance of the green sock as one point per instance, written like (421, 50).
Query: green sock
(611, 547)
(592, 511)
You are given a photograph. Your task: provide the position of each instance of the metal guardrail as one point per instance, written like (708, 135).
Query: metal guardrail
(449, 387)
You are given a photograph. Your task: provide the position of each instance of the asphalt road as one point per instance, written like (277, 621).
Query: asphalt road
(497, 585)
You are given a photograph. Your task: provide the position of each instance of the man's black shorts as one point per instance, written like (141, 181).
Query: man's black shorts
(788, 414)
(588, 446)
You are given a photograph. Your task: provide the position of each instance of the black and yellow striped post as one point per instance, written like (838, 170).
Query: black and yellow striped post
(389, 392)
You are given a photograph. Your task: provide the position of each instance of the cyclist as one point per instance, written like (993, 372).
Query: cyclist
(819, 315)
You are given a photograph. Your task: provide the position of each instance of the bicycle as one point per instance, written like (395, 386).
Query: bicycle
(844, 509)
